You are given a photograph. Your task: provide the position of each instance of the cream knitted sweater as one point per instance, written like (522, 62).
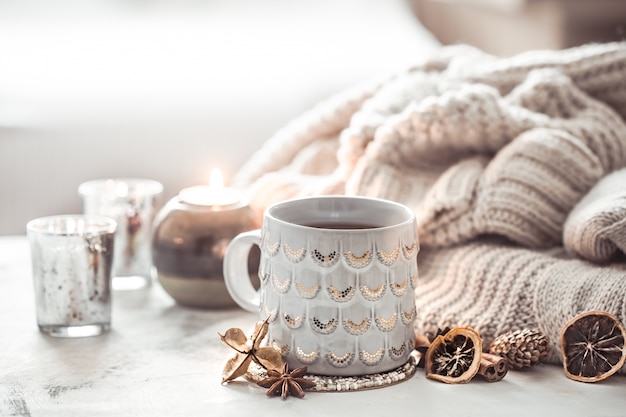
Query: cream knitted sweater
(512, 167)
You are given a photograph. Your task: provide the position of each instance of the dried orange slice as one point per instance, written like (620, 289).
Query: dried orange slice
(592, 346)
(454, 357)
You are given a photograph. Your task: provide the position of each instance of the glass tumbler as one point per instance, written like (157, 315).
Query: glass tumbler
(72, 258)
(132, 203)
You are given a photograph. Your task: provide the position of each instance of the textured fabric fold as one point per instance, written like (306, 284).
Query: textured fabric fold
(496, 287)
(515, 168)
(596, 228)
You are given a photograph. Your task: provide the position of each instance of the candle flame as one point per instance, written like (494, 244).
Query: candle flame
(217, 179)
(215, 194)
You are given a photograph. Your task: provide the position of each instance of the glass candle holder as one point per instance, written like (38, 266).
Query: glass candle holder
(72, 258)
(133, 204)
(191, 233)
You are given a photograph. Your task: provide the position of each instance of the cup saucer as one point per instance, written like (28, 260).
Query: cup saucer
(325, 383)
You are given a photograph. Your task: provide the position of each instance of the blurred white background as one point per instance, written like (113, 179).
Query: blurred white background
(168, 90)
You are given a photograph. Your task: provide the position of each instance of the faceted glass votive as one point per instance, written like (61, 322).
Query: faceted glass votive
(132, 203)
(72, 258)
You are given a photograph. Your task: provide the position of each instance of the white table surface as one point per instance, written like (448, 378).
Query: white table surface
(161, 359)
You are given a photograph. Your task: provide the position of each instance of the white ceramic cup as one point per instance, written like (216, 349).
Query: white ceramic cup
(337, 280)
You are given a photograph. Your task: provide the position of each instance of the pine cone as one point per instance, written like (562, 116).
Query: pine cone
(521, 348)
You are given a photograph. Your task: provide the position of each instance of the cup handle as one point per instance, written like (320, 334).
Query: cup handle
(236, 274)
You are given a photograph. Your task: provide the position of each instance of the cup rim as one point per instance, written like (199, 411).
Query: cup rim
(410, 215)
(102, 187)
(94, 225)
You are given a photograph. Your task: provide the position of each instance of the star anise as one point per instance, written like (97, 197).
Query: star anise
(285, 382)
(249, 350)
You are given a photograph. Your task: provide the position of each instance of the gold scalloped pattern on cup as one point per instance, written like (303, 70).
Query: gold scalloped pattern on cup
(399, 289)
(323, 328)
(283, 349)
(388, 258)
(272, 248)
(294, 255)
(397, 353)
(342, 361)
(341, 296)
(387, 325)
(293, 322)
(409, 251)
(373, 294)
(281, 286)
(371, 359)
(357, 329)
(407, 316)
(325, 261)
(270, 314)
(307, 358)
(358, 262)
(307, 292)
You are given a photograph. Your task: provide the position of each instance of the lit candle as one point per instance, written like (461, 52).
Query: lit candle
(191, 233)
(214, 195)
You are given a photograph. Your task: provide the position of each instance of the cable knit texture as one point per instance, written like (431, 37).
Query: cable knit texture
(513, 166)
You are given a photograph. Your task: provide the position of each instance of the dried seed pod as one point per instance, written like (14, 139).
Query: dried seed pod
(454, 357)
(521, 348)
(592, 346)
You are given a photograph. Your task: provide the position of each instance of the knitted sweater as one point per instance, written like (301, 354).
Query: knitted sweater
(512, 166)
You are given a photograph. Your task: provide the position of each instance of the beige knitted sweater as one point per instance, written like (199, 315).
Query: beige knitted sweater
(512, 167)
